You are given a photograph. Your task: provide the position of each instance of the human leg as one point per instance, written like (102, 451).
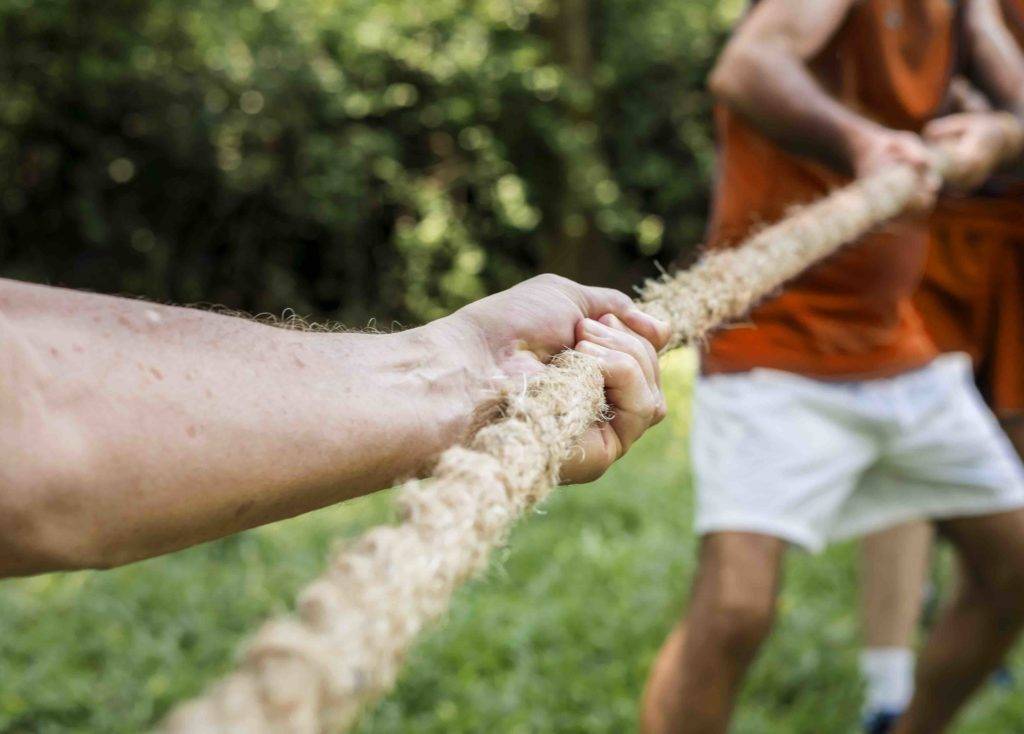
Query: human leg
(893, 571)
(697, 675)
(774, 456)
(978, 625)
(947, 458)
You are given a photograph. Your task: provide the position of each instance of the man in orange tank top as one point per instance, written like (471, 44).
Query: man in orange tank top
(971, 301)
(830, 414)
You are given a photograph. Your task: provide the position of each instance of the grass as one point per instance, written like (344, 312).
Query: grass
(557, 637)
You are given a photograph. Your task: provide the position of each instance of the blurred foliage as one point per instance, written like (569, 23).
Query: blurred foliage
(350, 158)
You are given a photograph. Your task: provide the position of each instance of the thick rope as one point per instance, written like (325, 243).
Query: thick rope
(317, 670)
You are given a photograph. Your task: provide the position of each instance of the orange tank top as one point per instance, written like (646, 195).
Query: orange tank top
(1013, 13)
(850, 316)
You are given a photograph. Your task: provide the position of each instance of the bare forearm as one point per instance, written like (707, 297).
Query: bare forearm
(997, 59)
(772, 88)
(131, 429)
(763, 74)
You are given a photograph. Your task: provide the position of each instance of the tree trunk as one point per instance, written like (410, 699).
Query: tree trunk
(573, 247)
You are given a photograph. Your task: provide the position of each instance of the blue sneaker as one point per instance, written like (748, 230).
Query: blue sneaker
(880, 722)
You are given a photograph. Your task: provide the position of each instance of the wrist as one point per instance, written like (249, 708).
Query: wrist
(1012, 131)
(454, 369)
(407, 396)
(861, 140)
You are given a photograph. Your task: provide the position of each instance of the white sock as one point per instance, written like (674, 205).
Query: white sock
(889, 678)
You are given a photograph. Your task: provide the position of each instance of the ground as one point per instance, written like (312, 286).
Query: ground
(557, 637)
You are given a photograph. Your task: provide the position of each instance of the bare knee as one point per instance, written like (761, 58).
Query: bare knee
(741, 625)
(991, 550)
(735, 595)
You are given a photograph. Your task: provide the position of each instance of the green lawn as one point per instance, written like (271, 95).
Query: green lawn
(557, 637)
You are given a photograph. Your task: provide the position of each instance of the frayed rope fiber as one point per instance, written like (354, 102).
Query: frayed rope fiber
(315, 671)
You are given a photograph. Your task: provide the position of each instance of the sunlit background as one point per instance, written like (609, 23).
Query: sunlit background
(354, 159)
(388, 160)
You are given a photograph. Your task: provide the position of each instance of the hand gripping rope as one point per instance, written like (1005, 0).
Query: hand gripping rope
(316, 670)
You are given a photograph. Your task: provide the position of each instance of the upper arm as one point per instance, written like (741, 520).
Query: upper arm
(980, 14)
(799, 27)
(994, 54)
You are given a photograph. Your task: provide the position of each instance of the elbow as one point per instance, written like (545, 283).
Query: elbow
(727, 82)
(720, 82)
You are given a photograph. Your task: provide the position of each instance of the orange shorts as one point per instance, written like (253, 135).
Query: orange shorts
(972, 295)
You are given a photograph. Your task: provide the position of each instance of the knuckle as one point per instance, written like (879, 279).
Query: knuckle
(551, 279)
(627, 364)
(621, 300)
(660, 409)
(652, 356)
(633, 343)
(615, 298)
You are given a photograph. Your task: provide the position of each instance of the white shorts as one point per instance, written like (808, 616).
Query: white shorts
(811, 461)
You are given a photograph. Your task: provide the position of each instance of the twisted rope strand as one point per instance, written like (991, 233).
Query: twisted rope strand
(317, 670)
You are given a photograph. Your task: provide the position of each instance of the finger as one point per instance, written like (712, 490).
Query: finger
(635, 406)
(930, 182)
(970, 168)
(938, 137)
(598, 449)
(924, 161)
(912, 150)
(656, 331)
(944, 127)
(622, 340)
(596, 302)
(972, 172)
(650, 364)
(931, 185)
(926, 195)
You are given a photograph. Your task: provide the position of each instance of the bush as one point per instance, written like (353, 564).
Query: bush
(354, 158)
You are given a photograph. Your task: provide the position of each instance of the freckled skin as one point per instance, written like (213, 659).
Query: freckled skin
(244, 508)
(172, 430)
